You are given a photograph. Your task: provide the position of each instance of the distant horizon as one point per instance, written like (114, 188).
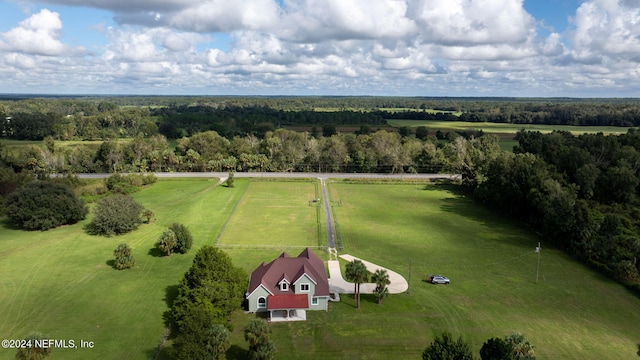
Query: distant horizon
(453, 48)
(425, 97)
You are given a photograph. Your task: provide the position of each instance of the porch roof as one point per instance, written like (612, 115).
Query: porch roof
(288, 301)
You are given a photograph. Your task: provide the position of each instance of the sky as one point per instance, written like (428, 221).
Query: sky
(530, 48)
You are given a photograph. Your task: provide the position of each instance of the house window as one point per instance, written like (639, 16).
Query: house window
(314, 301)
(262, 303)
(284, 286)
(304, 287)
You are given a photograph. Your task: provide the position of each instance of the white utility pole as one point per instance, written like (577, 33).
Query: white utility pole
(538, 269)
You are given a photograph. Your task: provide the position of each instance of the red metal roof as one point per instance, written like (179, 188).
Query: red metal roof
(290, 301)
(269, 275)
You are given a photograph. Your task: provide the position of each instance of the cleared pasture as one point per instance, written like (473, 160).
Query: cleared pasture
(571, 313)
(506, 128)
(275, 214)
(60, 282)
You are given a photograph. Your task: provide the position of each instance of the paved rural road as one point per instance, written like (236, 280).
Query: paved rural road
(293, 175)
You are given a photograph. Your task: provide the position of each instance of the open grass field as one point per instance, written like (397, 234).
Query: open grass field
(571, 313)
(58, 282)
(505, 128)
(506, 132)
(276, 214)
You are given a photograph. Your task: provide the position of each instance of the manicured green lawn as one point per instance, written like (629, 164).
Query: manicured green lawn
(275, 214)
(571, 313)
(58, 282)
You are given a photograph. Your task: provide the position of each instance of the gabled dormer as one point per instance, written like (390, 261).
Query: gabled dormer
(284, 284)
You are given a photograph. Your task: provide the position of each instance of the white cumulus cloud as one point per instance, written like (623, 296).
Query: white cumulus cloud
(38, 35)
(224, 15)
(607, 28)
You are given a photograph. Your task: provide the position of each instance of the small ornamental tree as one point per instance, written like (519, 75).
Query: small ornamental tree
(148, 214)
(199, 338)
(521, 347)
(32, 352)
(167, 242)
(124, 257)
(115, 215)
(496, 349)
(445, 347)
(230, 180)
(260, 346)
(381, 279)
(184, 240)
(43, 205)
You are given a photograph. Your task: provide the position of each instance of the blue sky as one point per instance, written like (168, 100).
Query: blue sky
(322, 47)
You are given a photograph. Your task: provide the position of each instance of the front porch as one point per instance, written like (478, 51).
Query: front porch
(290, 307)
(281, 315)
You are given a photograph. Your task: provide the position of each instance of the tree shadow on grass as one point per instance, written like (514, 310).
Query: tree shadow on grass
(111, 263)
(369, 298)
(465, 207)
(170, 296)
(235, 352)
(155, 252)
(7, 224)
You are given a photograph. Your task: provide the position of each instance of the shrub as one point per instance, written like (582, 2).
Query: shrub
(124, 257)
(114, 215)
(184, 240)
(128, 184)
(33, 350)
(43, 205)
(445, 347)
(167, 242)
(230, 180)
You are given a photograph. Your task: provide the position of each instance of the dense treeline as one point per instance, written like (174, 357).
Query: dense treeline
(176, 117)
(279, 150)
(229, 121)
(580, 193)
(591, 114)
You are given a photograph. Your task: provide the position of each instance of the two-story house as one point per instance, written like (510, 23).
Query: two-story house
(288, 286)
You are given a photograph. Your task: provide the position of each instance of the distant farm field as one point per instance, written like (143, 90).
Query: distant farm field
(505, 128)
(58, 282)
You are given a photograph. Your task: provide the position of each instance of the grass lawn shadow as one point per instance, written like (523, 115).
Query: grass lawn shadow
(111, 263)
(6, 223)
(170, 296)
(155, 252)
(236, 352)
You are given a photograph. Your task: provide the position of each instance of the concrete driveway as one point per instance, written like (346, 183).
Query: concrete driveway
(337, 284)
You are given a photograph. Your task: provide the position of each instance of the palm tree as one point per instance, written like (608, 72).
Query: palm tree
(381, 278)
(522, 348)
(357, 272)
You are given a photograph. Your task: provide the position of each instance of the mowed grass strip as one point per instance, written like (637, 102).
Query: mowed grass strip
(60, 283)
(571, 313)
(274, 214)
(498, 128)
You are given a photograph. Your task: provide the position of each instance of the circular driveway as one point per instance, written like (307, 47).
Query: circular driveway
(337, 284)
